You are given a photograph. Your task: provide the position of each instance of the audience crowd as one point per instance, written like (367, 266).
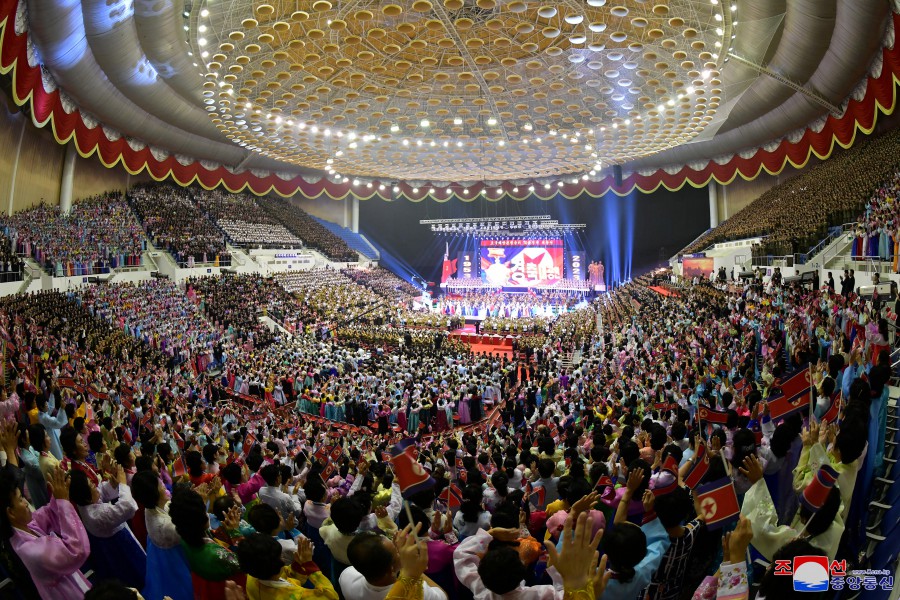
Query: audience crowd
(316, 464)
(313, 233)
(11, 266)
(794, 215)
(243, 221)
(98, 234)
(876, 235)
(173, 223)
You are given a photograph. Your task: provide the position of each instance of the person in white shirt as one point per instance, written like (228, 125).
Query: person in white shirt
(271, 493)
(265, 519)
(375, 564)
(115, 552)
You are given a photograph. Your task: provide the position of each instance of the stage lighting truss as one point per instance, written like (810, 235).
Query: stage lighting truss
(542, 225)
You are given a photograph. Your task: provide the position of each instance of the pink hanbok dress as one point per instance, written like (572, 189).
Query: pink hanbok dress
(55, 555)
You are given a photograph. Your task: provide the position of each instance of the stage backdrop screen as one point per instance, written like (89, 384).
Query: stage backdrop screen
(522, 263)
(697, 267)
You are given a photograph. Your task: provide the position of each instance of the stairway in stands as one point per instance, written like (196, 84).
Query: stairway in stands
(356, 242)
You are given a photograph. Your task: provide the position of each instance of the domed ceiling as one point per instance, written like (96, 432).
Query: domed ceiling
(456, 90)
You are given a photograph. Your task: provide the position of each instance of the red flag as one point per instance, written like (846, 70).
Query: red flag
(711, 415)
(459, 463)
(670, 465)
(699, 467)
(411, 477)
(462, 475)
(327, 471)
(604, 481)
(249, 440)
(448, 270)
(540, 495)
(179, 468)
(834, 411)
(147, 417)
(336, 452)
(784, 406)
(797, 384)
(452, 496)
(718, 503)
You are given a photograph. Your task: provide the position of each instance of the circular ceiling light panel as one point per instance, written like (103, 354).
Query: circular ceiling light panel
(425, 89)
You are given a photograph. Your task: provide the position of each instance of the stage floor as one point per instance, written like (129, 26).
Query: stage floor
(485, 344)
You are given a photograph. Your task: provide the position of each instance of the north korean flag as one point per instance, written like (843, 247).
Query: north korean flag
(711, 415)
(784, 406)
(834, 411)
(452, 496)
(718, 503)
(699, 467)
(411, 477)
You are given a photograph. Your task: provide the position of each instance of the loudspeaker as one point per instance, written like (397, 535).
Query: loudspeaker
(617, 173)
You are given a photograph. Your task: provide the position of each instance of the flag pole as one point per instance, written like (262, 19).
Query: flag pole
(812, 397)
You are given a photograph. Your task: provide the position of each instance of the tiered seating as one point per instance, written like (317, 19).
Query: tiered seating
(158, 313)
(11, 266)
(99, 234)
(309, 230)
(174, 223)
(243, 221)
(235, 302)
(793, 216)
(353, 240)
(384, 282)
(876, 234)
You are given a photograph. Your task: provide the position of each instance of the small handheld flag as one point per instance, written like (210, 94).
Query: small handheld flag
(816, 493)
(718, 503)
(699, 467)
(411, 477)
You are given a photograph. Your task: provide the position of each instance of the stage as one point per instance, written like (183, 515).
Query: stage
(484, 344)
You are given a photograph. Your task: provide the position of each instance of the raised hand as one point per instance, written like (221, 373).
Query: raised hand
(58, 480)
(233, 518)
(578, 560)
(413, 552)
(752, 468)
(304, 553)
(735, 543)
(585, 503)
(635, 479)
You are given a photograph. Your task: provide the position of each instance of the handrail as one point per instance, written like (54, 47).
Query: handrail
(675, 256)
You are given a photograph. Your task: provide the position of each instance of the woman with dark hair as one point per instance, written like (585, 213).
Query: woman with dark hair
(76, 451)
(115, 552)
(823, 527)
(31, 466)
(471, 516)
(211, 564)
(51, 542)
(196, 468)
(167, 570)
(743, 445)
